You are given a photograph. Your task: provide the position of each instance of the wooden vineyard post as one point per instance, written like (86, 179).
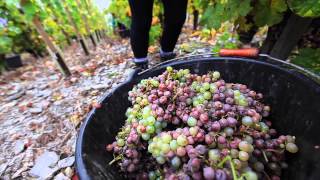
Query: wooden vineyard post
(98, 38)
(59, 57)
(86, 24)
(290, 36)
(79, 36)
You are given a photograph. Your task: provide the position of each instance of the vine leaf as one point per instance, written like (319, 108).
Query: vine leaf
(269, 12)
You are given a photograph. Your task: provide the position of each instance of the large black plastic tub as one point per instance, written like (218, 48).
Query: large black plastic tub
(295, 109)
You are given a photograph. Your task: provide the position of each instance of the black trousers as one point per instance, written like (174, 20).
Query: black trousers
(174, 18)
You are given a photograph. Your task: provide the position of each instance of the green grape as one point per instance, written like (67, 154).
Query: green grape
(216, 74)
(152, 175)
(136, 107)
(138, 99)
(169, 69)
(250, 175)
(151, 147)
(120, 142)
(192, 121)
(156, 153)
(144, 102)
(207, 95)
(164, 124)
(145, 123)
(245, 146)
(247, 121)
(129, 111)
(186, 71)
(243, 156)
(243, 102)
(236, 93)
(166, 138)
(202, 90)
(134, 112)
(182, 140)
(264, 127)
(151, 120)
(150, 129)
(206, 86)
(193, 131)
(214, 155)
(145, 136)
(196, 103)
(234, 153)
(157, 124)
(198, 88)
(155, 83)
(131, 116)
(213, 88)
(201, 98)
(165, 148)
(160, 160)
(173, 145)
(291, 147)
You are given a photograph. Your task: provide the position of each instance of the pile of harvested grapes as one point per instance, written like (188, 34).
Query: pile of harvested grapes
(187, 126)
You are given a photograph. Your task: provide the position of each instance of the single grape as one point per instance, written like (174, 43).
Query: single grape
(206, 86)
(181, 151)
(291, 147)
(120, 142)
(247, 121)
(214, 155)
(173, 145)
(166, 138)
(169, 69)
(145, 136)
(152, 175)
(208, 173)
(150, 129)
(213, 88)
(245, 146)
(176, 162)
(216, 74)
(192, 121)
(229, 131)
(207, 95)
(250, 175)
(165, 148)
(258, 166)
(193, 131)
(243, 156)
(160, 160)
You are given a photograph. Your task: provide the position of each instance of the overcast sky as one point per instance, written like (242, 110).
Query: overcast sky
(102, 4)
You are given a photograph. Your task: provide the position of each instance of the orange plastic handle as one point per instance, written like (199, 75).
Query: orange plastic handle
(248, 52)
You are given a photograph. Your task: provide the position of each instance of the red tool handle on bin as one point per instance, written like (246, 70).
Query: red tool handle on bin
(248, 52)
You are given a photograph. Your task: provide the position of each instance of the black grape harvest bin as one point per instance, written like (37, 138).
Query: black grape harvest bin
(293, 96)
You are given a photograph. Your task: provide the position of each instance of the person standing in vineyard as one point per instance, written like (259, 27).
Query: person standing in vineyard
(174, 18)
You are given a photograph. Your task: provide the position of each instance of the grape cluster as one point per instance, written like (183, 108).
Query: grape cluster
(187, 126)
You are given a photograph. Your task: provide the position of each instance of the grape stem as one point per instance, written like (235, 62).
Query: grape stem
(228, 158)
(265, 156)
(273, 150)
(116, 159)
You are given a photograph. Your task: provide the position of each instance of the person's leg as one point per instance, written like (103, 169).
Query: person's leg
(174, 18)
(141, 11)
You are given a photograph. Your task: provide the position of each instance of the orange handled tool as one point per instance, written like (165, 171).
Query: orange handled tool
(248, 52)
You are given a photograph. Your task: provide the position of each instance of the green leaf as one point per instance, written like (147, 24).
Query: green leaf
(269, 12)
(308, 58)
(305, 8)
(30, 10)
(5, 44)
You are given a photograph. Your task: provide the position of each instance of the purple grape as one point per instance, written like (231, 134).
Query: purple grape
(208, 173)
